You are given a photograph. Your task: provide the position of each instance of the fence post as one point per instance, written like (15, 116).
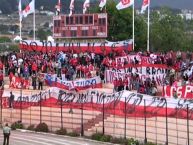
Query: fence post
(145, 119)
(103, 115)
(1, 109)
(125, 131)
(82, 125)
(188, 135)
(61, 111)
(21, 104)
(40, 107)
(166, 123)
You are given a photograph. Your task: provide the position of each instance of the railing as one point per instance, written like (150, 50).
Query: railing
(159, 125)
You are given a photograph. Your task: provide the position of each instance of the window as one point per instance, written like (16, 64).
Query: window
(86, 19)
(94, 32)
(80, 20)
(73, 33)
(77, 20)
(84, 32)
(56, 23)
(102, 21)
(71, 20)
(67, 20)
(90, 19)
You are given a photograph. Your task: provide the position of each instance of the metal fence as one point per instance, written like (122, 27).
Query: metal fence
(159, 125)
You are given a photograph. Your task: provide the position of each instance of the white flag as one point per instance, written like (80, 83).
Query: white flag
(20, 11)
(102, 4)
(29, 9)
(124, 4)
(58, 6)
(144, 6)
(86, 5)
(71, 7)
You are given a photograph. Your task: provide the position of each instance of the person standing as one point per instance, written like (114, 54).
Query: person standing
(11, 99)
(6, 133)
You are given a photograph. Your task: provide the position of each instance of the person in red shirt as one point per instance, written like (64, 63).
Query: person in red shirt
(120, 85)
(34, 67)
(126, 82)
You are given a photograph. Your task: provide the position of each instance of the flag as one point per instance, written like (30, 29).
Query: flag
(71, 7)
(144, 6)
(29, 9)
(124, 4)
(20, 11)
(58, 6)
(102, 4)
(86, 5)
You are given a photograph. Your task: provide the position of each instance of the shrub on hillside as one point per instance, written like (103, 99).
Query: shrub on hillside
(61, 131)
(17, 125)
(116, 140)
(73, 134)
(97, 136)
(42, 127)
(31, 127)
(106, 138)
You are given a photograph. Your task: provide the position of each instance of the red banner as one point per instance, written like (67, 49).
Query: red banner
(18, 83)
(178, 92)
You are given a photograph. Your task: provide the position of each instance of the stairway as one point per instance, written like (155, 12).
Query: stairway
(92, 122)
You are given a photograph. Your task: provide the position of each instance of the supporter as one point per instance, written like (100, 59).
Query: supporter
(126, 83)
(40, 81)
(153, 90)
(34, 79)
(115, 83)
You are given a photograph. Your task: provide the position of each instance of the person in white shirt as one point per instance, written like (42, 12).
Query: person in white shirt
(6, 133)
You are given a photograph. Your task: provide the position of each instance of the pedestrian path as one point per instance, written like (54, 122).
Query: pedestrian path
(26, 138)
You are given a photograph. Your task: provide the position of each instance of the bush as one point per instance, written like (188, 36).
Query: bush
(42, 127)
(61, 131)
(73, 134)
(132, 142)
(17, 125)
(97, 136)
(106, 138)
(31, 127)
(118, 140)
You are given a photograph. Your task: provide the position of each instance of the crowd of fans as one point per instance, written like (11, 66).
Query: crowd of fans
(30, 65)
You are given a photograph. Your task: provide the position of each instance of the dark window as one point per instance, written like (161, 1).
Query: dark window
(73, 33)
(77, 21)
(101, 29)
(90, 19)
(67, 20)
(102, 21)
(81, 20)
(84, 32)
(56, 23)
(71, 20)
(94, 32)
(86, 19)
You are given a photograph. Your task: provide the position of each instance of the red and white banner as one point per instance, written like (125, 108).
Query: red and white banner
(131, 58)
(124, 4)
(18, 83)
(102, 3)
(98, 48)
(80, 84)
(111, 75)
(135, 104)
(86, 5)
(144, 5)
(178, 91)
(144, 69)
(29, 9)
(71, 7)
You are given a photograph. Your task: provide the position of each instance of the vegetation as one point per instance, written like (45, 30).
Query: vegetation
(31, 127)
(61, 131)
(42, 127)
(17, 125)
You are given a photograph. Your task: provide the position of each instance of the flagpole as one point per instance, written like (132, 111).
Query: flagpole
(134, 25)
(148, 27)
(34, 22)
